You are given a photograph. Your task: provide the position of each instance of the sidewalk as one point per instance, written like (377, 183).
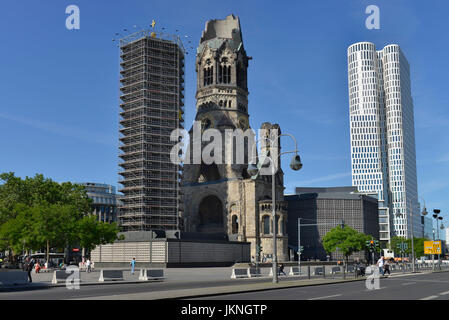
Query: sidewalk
(237, 288)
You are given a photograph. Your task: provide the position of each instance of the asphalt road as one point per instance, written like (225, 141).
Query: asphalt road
(115, 289)
(397, 287)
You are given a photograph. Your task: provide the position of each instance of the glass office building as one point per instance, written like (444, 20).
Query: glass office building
(383, 135)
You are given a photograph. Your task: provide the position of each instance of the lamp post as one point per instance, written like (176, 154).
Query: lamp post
(436, 217)
(299, 245)
(253, 170)
(433, 255)
(424, 213)
(399, 215)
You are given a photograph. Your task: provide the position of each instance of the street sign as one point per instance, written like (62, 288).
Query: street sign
(402, 246)
(432, 247)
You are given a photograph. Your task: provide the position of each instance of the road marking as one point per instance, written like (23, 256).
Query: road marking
(375, 289)
(429, 298)
(444, 293)
(335, 295)
(408, 283)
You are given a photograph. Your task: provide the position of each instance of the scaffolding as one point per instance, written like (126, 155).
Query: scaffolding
(151, 107)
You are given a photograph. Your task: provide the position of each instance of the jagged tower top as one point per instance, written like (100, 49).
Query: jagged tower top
(217, 31)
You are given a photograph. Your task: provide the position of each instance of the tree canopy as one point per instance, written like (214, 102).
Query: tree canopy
(418, 244)
(346, 239)
(38, 212)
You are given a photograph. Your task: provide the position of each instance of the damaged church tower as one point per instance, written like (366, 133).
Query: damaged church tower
(222, 199)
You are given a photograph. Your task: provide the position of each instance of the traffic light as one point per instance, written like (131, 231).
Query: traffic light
(372, 244)
(259, 249)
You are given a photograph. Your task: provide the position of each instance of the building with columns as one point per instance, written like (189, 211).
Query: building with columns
(104, 200)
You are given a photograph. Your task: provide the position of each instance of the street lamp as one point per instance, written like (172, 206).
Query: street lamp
(424, 210)
(399, 215)
(254, 169)
(436, 217)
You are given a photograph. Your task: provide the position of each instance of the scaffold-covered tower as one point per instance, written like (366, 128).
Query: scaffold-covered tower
(151, 107)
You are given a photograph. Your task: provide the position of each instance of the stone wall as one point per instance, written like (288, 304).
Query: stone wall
(171, 253)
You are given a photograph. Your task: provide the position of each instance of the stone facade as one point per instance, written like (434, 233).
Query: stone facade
(223, 198)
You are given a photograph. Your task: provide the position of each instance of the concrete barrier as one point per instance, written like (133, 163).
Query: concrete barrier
(155, 274)
(239, 273)
(294, 271)
(110, 275)
(60, 276)
(143, 275)
(253, 272)
(318, 271)
(151, 274)
(335, 270)
(13, 277)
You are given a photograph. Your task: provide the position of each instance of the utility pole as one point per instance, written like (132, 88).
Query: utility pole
(413, 247)
(299, 245)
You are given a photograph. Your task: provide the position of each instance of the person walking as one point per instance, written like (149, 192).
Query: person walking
(380, 264)
(37, 267)
(132, 264)
(281, 269)
(88, 264)
(387, 267)
(29, 268)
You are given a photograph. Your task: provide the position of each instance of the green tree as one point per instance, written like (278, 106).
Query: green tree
(346, 239)
(38, 212)
(92, 232)
(418, 244)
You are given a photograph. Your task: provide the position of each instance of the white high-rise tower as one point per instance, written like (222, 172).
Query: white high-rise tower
(383, 135)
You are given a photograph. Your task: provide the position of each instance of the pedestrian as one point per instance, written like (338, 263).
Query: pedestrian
(88, 265)
(37, 267)
(380, 264)
(29, 264)
(387, 267)
(132, 264)
(281, 270)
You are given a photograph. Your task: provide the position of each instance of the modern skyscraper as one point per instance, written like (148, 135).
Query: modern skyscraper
(383, 135)
(152, 102)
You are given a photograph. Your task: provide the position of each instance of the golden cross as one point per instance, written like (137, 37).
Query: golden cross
(153, 23)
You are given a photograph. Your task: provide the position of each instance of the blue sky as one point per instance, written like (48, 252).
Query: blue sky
(59, 88)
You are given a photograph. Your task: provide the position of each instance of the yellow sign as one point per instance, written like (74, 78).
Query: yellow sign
(432, 247)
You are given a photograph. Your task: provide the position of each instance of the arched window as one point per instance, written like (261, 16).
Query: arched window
(235, 224)
(220, 74)
(224, 74)
(208, 76)
(266, 224)
(228, 75)
(210, 215)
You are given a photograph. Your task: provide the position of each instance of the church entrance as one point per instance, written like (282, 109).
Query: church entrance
(211, 215)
